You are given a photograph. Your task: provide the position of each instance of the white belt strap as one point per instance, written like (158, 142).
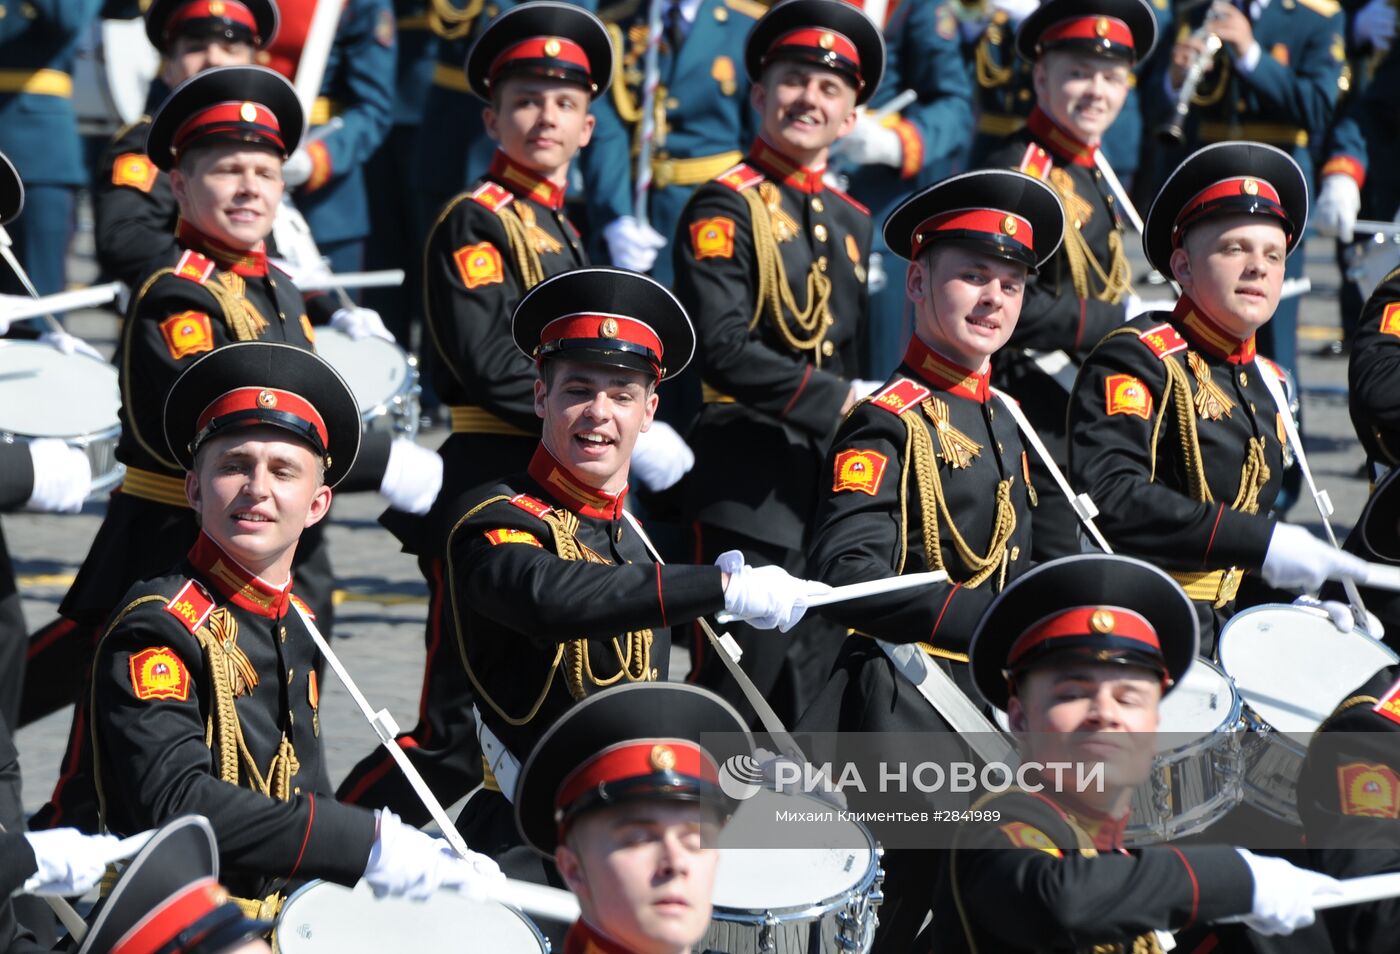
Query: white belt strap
(504, 766)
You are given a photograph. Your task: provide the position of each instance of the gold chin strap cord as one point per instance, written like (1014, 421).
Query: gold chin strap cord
(775, 298)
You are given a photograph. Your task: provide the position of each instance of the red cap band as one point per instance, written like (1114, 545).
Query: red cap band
(264, 399)
(991, 222)
(1081, 621)
(1111, 29)
(815, 40)
(585, 325)
(171, 917)
(230, 10)
(544, 48)
(638, 759)
(241, 120)
(1227, 191)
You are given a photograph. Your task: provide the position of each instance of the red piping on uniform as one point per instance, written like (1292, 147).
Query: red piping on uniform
(69, 770)
(1211, 942)
(57, 631)
(368, 781)
(1214, 527)
(1079, 331)
(434, 642)
(310, 820)
(1195, 887)
(806, 376)
(660, 599)
(938, 622)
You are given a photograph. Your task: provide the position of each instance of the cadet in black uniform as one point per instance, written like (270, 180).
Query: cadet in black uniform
(205, 697)
(1084, 648)
(537, 66)
(623, 792)
(772, 265)
(555, 592)
(1174, 432)
(1084, 52)
(1374, 373)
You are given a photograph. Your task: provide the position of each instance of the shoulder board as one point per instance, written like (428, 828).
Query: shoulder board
(191, 605)
(194, 267)
(617, 12)
(741, 177)
(748, 8)
(1278, 371)
(1036, 162)
(532, 506)
(900, 396)
(858, 207)
(1388, 705)
(493, 196)
(1323, 8)
(301, 605)
(1162, 340)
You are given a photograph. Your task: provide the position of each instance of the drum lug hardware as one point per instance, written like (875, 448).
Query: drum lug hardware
(768, 935)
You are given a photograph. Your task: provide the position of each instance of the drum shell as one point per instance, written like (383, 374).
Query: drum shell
(383, 377)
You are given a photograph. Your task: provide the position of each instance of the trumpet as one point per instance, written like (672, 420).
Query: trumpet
(1173, 131)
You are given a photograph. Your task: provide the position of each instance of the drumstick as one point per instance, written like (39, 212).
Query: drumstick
(1382, 577)
(23, 276)
(1364, 890)
(856, 591)
(324, 281)
(540, 900)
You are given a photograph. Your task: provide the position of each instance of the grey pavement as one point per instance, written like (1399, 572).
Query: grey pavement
(379, 625)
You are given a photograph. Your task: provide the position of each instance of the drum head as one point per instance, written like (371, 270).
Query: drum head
(325, 917)
(375, 369)
(1292, 666)
(1202, 701)
(46, 393)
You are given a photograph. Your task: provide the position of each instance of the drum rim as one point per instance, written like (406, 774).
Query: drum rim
(1234, 718)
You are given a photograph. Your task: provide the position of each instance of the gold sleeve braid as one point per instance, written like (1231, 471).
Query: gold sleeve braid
(775, 298)
(522, 249)
(1085, 271)
(629, 110)
(989, 74)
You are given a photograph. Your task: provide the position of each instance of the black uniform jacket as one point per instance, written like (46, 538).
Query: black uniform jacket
(134, 209)
(1041, 877)
(775, 380)
(154, 699)
(539, 628)
(1373, 378)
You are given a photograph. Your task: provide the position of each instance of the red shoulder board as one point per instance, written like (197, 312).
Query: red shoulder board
(1036, 162)
(535, 508)
(301, 605)
(194, 266)
(1389, 704)
(900, 396)
(492, 196)
(1278, 372)
(191, 605)
(1163, 340)
(741, 177)
(837, 192)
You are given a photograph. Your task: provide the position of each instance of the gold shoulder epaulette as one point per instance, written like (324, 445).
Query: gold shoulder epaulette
(493, 196)
(1323, 8)
(749, 8)
(741, 177)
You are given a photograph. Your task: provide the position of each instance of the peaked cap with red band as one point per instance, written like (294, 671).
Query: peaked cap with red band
(265, 383)
(646, 741)
(544, 39)
(236, 21)
(11, 191)
(827, 33)
(1120, 28)
(168, 899)
(997, 211)
(1226, 178)
(1094, 606)
(249, 104)
(605, 316)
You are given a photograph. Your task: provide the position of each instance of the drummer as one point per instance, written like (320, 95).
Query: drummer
(1079, 653)
(1174, 431)
(623, 794)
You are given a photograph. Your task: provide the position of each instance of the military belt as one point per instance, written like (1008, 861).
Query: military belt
(477, 420)
(148, 485)
(264, 909)
(710, 396)
(39, 82)
(999, 124)
(692, 171)
(419, 22)
(323, 110)
(450, 77)
(1275, 134)
(1216, 587)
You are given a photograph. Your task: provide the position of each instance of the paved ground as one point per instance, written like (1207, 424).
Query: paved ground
(379, 623)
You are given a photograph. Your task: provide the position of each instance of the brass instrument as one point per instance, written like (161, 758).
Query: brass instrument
(1173, 131)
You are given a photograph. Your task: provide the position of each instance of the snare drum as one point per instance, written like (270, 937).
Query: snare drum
(1373, 255)
(382, 376)
(790, 900)
(325, 918)
(112, 76)
(85, 415)
(1292, 668)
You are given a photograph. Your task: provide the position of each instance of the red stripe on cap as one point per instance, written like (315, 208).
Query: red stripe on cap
(264, 399)
(637, 759)
(818, 39)
(542, 48)
(603, 328)
(1221, 191)
(248, 119)
(1087, 621)
(171, 917)
(1111, 29)
(988, 221)
(230, 10)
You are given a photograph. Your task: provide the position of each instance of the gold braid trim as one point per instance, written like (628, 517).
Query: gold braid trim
(527, 258)
(1113, 282)
(1211, 400)
(450, 23)
(242, 318)
(775, 298)
(1214, 94)
(629, 108)
(535, 237)
(989, 74)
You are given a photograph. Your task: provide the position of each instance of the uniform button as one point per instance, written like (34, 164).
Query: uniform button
(821, 263)
(828, 349)
(1001, 451)
(297, 790)
(291, 674)
(829, 320)
(492, 10)
(655, 674)
(262, 57)
(721, 14)
(283, 634)
(291, 718)
(1109, 198)
(1251, 407)
(1242, 106)
(1015, 553)
(818, 205)
(991, 411)
(820, 232)
(27, 11)
(1024, 96)
(1078, 223)
(1244, 380)
(672, 103)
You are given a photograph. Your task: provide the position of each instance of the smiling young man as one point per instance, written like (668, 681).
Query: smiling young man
(1083, 53)
(623, 793)
(772, 265)
(1079, 653)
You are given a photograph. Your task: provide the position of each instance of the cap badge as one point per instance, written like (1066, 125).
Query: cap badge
(266, 399)
(248, 112)
(216, 7)
(662, 758)
(1008, 225)
(826, 41)
(551, 47)
(1249, 187)
(1102, 621)
(1101, 26)
(608, 329)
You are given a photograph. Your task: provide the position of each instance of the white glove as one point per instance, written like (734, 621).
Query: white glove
(1374, 24)
(1298, 560)
(412, 478)
(765, 596)
(781, 773)
(871, 144)
(360, 323)
(70, 344)
(62, 476)
(1283, 894)
(1338, 203)
(406, 861)
(863, 388)
(661, 457)
(297, 169)
(633, 245)
(70, 863)
(1341, 616)
(1017, 10)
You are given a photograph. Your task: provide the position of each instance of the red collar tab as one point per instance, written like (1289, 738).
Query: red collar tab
(554, 57)
(819, 46)
(250, 263)
(173, 915)
(236, 584)
(583, 938)
(946, 375)
(228, 12)
(244, 121)
(780, 167)
(677, 761)
(994, 224)
(601, 331)
(1067, 147)
(1388, 705)
(524, 182)
(1210, 337)
(1240, 194)
(1106, 632)
(1111, 32)
(250, 406)
(580, 498)
(1105, 831)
